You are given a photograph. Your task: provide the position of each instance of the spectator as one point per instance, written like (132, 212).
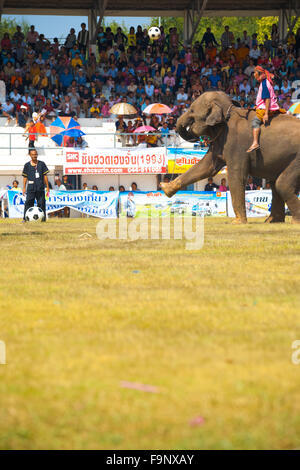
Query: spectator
(81, 143)
(288, 103)
(83, 38)
(168, 98)
(66, 107)
(223, 187)
(227, 38)
(134, 187)
(254, 54)
(6, 43)
(251, 186)
(8, 110)
(70, 142)
(31, 131)
(211, 186)
(59, 186)
(21, 116)
(121, 126)
(244, 86)
(18, 35)
(149, 89)
(66, 183)
(214, 78)
(181, 97)
(164, 129)
(15, 186)
(74, 100)
(32, 37)
(70, 40)
(208, 38)
(49, 109)
(66, 79)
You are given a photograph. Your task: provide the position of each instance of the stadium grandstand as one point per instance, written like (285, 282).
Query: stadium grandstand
(94, 68)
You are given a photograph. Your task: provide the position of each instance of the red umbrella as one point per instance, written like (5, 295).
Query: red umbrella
(144, 129)
(157, 108)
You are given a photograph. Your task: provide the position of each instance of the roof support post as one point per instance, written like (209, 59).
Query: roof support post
(294, 10)
(282, 25)
(92, 24)
(1, 8)
(187, 25)
(100, 8)
(193, 17)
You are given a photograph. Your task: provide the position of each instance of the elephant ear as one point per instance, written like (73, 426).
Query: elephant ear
(215, 116)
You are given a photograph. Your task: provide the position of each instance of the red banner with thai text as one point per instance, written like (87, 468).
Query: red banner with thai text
(115, 161)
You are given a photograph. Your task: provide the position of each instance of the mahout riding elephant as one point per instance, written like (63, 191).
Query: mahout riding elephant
(229, 128)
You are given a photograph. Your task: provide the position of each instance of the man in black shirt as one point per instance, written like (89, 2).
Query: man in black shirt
(66, 183)
(35, 177)
(83, 37)
(211, 186)
(208, 37)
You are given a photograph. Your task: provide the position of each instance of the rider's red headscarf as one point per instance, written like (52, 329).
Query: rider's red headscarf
(265, 74)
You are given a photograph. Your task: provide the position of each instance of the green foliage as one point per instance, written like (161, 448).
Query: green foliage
(264, 26)
(114, 25)
(9, 25)
(259, 25)
(169, 22)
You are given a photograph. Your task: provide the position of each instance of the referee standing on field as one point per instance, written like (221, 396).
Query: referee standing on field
(35, 177)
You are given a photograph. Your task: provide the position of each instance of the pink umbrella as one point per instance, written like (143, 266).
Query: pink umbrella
(144, 129)
(157, 108)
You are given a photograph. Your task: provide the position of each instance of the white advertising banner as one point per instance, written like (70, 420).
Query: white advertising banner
(157, 204)
(102, 204)
(115, 161)
(258, 203)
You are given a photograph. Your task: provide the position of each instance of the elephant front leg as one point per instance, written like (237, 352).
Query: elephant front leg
(208, 167)
(237, 184)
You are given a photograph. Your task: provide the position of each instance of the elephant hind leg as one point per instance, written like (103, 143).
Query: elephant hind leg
(277, 214)
(288, 185)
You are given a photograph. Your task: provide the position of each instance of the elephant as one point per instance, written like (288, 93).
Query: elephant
(229, 128)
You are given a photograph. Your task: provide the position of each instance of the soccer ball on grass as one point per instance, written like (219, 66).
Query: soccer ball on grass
(34, 214)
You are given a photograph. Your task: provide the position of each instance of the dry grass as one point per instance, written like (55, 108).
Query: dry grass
(211, 329)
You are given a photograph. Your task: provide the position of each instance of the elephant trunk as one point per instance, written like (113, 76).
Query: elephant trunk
(186, 133)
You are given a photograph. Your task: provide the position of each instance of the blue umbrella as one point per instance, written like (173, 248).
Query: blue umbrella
(59, 138)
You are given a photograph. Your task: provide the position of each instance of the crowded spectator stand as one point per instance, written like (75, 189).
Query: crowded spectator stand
(42, 80)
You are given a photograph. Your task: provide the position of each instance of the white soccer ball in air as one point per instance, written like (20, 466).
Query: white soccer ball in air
(34, 214)
(154, 33)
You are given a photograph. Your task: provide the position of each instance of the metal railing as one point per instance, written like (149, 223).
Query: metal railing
(108, 140)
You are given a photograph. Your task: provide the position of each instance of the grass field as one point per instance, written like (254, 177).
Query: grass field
(211, 329)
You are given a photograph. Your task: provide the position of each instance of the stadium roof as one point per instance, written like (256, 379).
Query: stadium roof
(153, 5)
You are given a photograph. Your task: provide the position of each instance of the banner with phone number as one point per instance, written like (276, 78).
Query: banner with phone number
(115, 161)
